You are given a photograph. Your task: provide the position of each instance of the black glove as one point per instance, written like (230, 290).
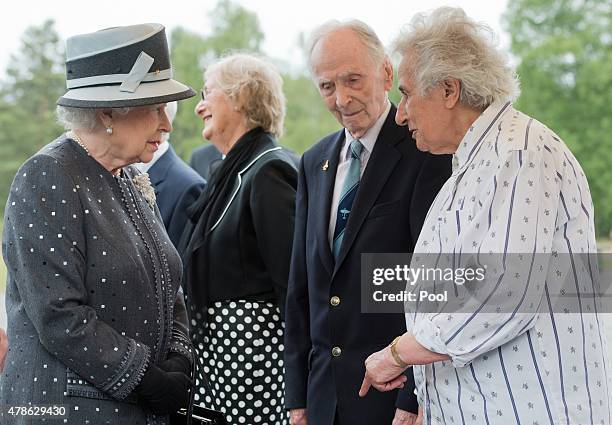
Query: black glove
(176, 363)
(164, 392)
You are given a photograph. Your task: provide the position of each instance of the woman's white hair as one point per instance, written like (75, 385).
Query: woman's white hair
(255, 86)
(363, 31)
(82, 118)
(448, 44)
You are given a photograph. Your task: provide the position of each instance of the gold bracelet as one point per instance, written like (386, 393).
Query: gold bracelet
(395, 354)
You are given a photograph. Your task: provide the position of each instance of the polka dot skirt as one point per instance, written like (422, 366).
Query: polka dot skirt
(240, 352)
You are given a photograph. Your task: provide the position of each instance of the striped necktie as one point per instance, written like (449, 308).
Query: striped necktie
(349, 191)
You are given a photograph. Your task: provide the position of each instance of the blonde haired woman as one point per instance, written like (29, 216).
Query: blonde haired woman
(239, 245)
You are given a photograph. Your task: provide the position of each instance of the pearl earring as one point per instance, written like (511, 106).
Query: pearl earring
(109, 130)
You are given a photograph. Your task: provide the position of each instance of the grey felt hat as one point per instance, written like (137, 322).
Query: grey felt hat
(122, 66)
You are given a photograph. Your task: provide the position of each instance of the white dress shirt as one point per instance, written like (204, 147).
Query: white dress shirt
(516, 190)
(368, 140)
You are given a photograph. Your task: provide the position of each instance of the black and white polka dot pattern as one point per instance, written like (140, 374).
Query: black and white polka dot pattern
(241, 354)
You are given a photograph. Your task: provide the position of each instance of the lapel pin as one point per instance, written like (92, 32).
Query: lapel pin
(325, 165)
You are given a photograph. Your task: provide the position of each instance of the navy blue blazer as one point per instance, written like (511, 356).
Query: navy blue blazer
(176, 187)
(202, 158)
(395, 192)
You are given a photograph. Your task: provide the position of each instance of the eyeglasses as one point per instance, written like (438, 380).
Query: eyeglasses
(205, 92)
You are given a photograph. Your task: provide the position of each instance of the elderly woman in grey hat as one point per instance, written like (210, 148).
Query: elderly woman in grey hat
(96, 321)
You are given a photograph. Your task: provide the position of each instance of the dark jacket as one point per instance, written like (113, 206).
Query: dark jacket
(92, 291)
(176, 187)
(250, 246)
(395, 192)
(202, 158)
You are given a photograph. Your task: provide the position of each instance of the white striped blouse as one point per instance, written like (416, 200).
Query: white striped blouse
(516, 190)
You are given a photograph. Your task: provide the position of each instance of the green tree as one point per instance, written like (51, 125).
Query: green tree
(234, 28)
(307, 119)
(565, 52)
(34, 81)
(186, 50)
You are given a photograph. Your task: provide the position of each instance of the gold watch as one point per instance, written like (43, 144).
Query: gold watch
(395, 354)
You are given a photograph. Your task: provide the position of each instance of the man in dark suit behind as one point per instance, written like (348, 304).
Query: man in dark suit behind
(327, 338)
(176, 185)
(202, 158)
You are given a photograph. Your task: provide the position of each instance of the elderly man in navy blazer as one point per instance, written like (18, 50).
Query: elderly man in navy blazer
(363, 189)
(177, 186)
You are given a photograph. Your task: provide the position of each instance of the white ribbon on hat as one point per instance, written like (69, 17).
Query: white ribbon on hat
(138, 72)
(115, 79)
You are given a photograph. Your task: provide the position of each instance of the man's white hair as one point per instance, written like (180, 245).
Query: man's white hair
(362, 30)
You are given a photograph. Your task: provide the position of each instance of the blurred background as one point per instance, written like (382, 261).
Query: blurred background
(562, 50)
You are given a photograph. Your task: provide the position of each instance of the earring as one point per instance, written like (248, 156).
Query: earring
(109, 130)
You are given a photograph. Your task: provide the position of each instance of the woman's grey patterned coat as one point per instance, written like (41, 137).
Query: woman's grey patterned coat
(92, 292)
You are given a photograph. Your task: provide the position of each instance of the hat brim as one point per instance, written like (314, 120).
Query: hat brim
(109, 96)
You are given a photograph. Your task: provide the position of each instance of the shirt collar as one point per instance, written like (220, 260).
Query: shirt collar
(369, 138)
(475, 135)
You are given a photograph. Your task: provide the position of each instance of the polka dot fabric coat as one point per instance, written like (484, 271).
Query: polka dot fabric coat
(92, 292)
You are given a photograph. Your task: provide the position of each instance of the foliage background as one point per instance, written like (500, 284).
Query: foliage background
(565, 53)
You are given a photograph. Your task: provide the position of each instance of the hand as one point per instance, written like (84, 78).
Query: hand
(164, 392)
(176, 363)
(382, 373)
(3, 348)
(403, 417)
(298, 417)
